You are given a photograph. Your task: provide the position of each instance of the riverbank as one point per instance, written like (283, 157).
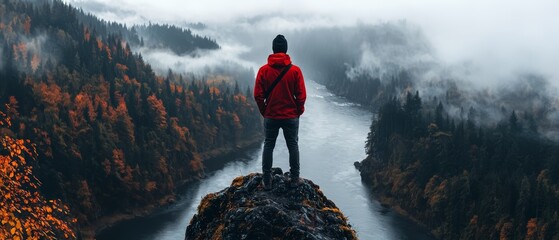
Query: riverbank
(387, 201)
(106, 222)
(390, 203)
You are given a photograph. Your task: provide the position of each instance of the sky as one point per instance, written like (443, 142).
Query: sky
(510, 36)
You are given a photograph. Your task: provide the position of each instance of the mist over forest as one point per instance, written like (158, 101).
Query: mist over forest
(121, 103)
(489, 75)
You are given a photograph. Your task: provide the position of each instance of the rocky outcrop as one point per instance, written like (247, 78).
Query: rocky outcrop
(246, 211)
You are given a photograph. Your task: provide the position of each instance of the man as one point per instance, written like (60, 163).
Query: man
(281, 104)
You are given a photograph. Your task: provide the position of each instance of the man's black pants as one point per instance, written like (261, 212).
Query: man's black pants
(290, 132)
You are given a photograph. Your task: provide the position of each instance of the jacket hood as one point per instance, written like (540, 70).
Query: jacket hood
(279, 59)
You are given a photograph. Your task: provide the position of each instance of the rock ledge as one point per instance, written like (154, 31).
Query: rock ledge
(246, 211)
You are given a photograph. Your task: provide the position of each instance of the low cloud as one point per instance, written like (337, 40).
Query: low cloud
(499, 56)
(31, 51)
(199, 62)
(496, 40)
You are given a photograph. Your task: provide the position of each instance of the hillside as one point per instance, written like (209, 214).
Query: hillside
(178, 40)
(111, 136)
(460, 179)
(246, 211)
(152, 36)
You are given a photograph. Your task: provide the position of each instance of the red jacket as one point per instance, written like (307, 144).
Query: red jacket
(287, 100)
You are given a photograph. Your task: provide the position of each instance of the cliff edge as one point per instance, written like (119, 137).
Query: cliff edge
(246, 211)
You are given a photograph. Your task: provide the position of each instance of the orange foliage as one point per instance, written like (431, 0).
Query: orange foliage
(45, 141)
(27, 25)
(121, 67)
(109, 54)
(35, 61)
(158, 110)
(124, 171)
(86, 34)
(506, 231)
(474, 220)
(160, 80)
(435, 191)
(99, 43)
(150, 186)
(118, 160)
(85, 102)
(240, 98)
(20, 52)
(106, 167)
(196, 165)
(531, 229)
(214, 90)
(125, 122)
(84, 195)
(236, 121)
(74, 118)
(182, 132)
(99, 102)
(178, 88)
(163, 167)
(82, 105)
(218, 113)
(50, 94)
(12, 111)
(24, 212)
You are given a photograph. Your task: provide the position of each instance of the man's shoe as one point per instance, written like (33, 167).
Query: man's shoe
(267, 181)
(294, 181)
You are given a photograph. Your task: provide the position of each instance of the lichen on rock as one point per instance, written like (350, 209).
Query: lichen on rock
(246, 211)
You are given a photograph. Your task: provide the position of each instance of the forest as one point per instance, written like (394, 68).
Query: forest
(180, 41)
(467, 162)
(91, 128)
(461, 179)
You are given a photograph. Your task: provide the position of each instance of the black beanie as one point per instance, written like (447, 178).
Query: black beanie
(279, 45)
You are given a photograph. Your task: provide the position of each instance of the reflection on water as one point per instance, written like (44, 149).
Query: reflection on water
(331, 137)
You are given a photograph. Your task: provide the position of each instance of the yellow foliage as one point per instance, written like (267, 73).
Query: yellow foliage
(25, 213)
(336, 211)
(238, 181)
(205, 203)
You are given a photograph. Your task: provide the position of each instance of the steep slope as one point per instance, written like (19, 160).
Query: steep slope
(245, 211)
(111, 135)
(461, 180)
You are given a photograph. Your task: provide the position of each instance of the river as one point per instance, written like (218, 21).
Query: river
(331, 138)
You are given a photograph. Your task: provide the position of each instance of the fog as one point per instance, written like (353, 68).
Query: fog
(498, 38)
(500, 55)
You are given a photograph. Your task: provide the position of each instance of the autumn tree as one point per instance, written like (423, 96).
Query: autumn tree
(157, 111)
(24, 212)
